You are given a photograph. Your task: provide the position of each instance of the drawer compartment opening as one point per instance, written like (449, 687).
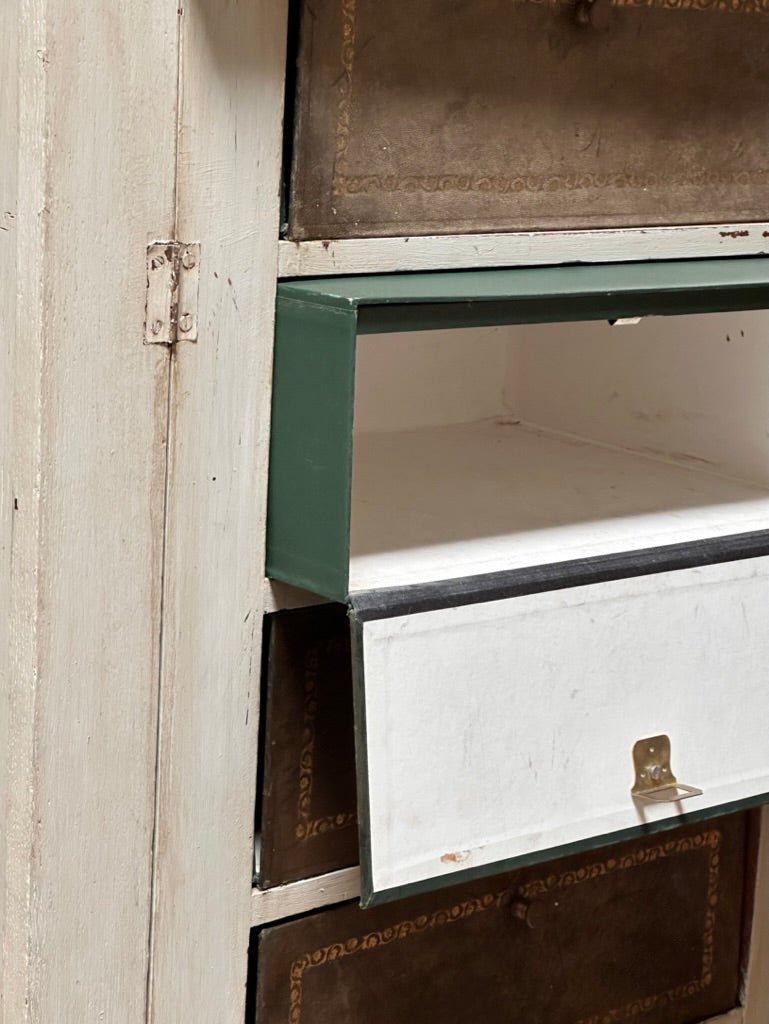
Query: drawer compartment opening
(438, 426)
(306, 814)
(482, 450)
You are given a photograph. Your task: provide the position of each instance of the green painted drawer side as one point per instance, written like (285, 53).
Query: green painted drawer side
(569, 308)
(308, 510)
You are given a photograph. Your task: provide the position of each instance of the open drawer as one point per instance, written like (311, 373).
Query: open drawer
(497, 720)
(557, 437)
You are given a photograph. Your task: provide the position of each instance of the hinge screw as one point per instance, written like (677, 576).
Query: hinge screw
(157, 326)
(185, 323)
(157, 262)
(188, 259)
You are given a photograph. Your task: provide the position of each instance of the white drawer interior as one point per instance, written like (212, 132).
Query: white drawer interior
(497, 731)
(483, 450)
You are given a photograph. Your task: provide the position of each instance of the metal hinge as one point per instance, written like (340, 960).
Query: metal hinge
(173, 276)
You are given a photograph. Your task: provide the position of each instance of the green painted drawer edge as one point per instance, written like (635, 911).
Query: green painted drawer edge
(309, 506)
(542, 294)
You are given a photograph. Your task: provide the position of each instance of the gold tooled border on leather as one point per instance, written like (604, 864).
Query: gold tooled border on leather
(709, 841)
(346, 184)
(306, 826)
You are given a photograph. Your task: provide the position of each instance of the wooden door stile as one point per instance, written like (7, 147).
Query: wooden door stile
(88, 167)
(232, 70)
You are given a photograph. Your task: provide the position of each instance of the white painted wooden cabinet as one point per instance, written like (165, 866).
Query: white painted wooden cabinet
(133, 481)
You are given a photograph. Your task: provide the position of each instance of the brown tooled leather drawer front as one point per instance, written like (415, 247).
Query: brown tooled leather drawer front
(443, 116)
(308, 808)
(646, 931)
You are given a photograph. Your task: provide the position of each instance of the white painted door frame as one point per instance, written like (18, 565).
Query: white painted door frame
(128, 787)
(229, 159)
(87, 171)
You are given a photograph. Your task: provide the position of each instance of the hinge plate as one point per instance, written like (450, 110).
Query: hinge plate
(173, 279)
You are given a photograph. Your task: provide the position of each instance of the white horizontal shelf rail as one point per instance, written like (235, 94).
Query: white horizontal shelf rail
(530, 248)
(283, 901)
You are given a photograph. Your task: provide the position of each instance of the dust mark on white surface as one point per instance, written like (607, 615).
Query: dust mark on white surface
(455, 858)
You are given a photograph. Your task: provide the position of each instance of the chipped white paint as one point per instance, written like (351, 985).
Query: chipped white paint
(504, 729)
(229, 161)
(455, 252)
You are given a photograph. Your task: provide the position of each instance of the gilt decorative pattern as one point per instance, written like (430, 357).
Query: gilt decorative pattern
(708, 842)
(345, 183)
(722, 6)
(306, 825)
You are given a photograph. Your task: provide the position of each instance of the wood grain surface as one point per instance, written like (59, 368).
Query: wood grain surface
(85, 455)
(228, 181)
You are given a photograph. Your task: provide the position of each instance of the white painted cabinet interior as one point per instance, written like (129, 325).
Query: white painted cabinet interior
(498, 730)
(479, 451)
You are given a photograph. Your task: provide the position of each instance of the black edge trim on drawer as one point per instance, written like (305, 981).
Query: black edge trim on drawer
(392, 602)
